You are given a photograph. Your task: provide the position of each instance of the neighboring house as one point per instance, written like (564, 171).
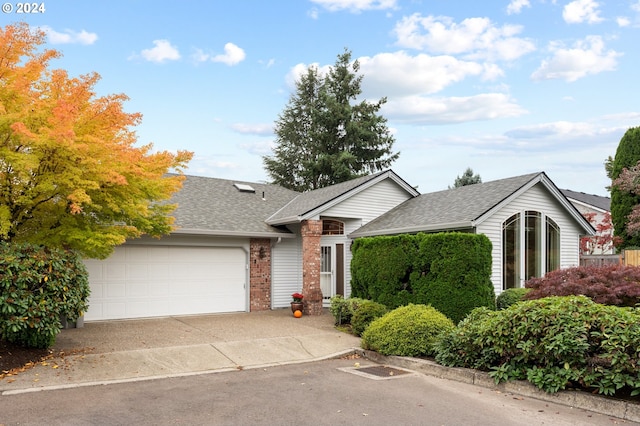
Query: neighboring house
(597, 210)
(533, 228)
(247, 246)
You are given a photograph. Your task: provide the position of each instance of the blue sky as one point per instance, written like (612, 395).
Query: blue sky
(504, 87)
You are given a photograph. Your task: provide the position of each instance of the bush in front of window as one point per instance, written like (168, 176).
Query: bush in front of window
(617, 285)
(406, 331)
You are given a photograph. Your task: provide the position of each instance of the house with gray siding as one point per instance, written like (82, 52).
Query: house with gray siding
(244, 246)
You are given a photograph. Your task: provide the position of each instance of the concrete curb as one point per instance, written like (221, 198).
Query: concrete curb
(599, 404)
(335, 355)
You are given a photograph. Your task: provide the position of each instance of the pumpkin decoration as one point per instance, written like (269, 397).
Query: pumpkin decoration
(297, 313)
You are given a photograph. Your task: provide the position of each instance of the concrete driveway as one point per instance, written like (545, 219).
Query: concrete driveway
(117, 351)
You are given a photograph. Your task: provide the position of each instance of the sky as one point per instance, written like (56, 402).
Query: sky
(503, 87)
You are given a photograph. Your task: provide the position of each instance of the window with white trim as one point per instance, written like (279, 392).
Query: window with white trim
(529, 249)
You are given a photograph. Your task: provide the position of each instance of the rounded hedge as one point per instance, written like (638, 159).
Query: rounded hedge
(406, 331)
(366, 312)
(510, 296)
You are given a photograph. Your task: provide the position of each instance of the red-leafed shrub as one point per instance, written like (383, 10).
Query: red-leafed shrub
(617, 285)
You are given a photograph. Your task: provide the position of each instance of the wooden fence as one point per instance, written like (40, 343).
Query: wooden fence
(631, 257)
(627, 257)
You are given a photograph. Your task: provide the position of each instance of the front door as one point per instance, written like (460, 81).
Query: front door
(331, 271)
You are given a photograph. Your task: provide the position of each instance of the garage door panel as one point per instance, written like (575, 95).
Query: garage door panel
(146, 281)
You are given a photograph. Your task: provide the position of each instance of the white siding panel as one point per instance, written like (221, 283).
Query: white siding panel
(370, 203)
(537, 198)
(286, 274)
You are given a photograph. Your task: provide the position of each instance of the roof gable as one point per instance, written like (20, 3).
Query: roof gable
(312, 203)
(461, 208)
(595, 201)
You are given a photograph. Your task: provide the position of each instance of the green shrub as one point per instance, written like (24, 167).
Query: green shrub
(380, 267)
(449, 271)
(364, 314)
(342, 309)
(553, 342)
(38, 286)
(406, 331)
(510, 296)
(463, 346)
(452, 273)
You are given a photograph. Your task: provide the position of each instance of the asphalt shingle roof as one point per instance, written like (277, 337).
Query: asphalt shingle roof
(216, 207)
(451, 208)
(603, 203)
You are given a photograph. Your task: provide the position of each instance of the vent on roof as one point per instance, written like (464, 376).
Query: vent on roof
(243, 187)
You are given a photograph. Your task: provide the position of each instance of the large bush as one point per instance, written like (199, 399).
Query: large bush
(554, 342)
(381, 269)
(39, 286)
(610, 285)
(450, 271)
(406, 331)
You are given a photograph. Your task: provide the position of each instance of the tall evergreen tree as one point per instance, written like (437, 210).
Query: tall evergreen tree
(324, 137)
(467, 178)
(622, 200)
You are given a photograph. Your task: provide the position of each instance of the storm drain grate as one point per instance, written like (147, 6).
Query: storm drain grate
(378, 372)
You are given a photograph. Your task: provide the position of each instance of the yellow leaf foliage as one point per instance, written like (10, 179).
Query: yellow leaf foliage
(71, 172)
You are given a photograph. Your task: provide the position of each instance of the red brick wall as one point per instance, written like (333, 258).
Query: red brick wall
(260, 274)
(311, 231)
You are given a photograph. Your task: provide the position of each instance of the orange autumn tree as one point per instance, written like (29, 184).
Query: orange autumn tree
(71, 175)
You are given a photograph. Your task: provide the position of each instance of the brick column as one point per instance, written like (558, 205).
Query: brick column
(260, 274)
(311, 231)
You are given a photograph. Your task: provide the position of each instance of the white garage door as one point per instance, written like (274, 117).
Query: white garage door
(149, 281)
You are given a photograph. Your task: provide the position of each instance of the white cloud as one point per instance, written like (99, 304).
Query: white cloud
(586, 57)
(516, 6)
(431, 110)
(399, 74)
(260, 148)
(253, 129)
(558, 128)
(473, 37)
(162, 51)
(356, 6)
(623, 21)
(69, 36)
(579, 11)
(233, 55)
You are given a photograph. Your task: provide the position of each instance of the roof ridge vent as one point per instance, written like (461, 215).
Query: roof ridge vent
(243, 187)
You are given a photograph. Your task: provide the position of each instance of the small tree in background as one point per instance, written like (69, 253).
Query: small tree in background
(625, 189)
(323, 137)
(603, 241)
(467, 178)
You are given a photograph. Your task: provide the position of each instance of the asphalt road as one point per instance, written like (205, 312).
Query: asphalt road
(331, 392)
